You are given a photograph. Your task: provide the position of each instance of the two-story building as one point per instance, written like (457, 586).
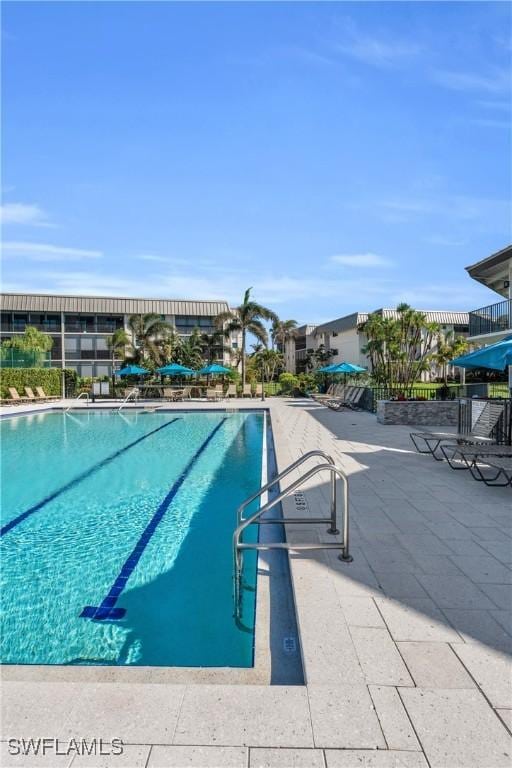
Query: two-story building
(81, 326)
(345, 339)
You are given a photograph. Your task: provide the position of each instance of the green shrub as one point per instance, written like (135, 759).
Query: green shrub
(288, 382)
(50, 379)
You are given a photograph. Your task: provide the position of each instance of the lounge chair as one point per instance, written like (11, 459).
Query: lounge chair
(332, 391)
(481, 432)
(247, 391)
(15, 397)
(463, 456)
(231, 390)
(350, 401)
(220, 391)
(172, 394)
(213, 394)
(186, 393)
(40, 391)
(258, 391)
(30, 394)
(500, 468)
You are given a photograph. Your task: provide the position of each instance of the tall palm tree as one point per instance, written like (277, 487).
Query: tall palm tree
(282, 331)
(117, 343)
(246, 318)
(149, 331)
(213, 345)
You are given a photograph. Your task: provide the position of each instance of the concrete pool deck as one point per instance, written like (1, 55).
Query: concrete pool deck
(405, 651)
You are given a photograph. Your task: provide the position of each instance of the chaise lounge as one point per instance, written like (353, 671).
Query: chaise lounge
(481, 432)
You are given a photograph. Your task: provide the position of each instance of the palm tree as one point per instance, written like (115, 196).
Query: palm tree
(190, 351)
(269, 361)
(282, 331)
(246, 318)
(149, 332)
(170, 346)
(449, 347)
(117, 344)
(212, 345)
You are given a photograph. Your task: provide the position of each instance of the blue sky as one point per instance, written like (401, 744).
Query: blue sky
(335, 156)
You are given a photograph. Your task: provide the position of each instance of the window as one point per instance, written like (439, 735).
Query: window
(53, 322)
(103, 370)
(189, 321)
(20, 322)
(56, 350)
(71, 346)
(85, 370)
(83, 323)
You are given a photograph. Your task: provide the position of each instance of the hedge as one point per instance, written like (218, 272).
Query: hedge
(50, 379)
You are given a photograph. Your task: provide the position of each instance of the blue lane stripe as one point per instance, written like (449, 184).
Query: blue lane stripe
(78, 479)
(107, 609)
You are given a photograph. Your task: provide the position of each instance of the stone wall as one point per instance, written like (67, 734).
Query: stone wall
(428, 413)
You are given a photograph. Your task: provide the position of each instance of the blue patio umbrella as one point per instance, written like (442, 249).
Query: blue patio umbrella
(496, 356)
(213, 368)
(346, 368)
(326, 368)
(132, 370)
(174, 369)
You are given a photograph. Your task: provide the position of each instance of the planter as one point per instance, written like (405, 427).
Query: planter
(427, 413)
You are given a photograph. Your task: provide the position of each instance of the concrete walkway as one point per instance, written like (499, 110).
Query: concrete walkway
(406, 651)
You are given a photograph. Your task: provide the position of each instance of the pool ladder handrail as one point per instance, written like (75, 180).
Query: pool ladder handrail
(82, 394)
(242, 523)
(132, 393)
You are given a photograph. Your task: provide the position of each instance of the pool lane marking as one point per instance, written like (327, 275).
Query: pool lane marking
(78, 479)
(107, 609)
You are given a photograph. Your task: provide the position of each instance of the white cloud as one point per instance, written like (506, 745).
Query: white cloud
(23, 213)
(377, 51)
(363, 260)
(492, 82)
(47, 252)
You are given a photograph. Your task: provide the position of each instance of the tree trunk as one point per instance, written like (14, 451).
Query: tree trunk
(243, 357)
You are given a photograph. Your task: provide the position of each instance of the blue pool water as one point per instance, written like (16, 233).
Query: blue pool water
(117, 533)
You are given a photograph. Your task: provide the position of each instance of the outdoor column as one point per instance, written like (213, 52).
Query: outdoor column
(63, 353)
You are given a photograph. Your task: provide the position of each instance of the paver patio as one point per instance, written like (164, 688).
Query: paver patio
(406, 651)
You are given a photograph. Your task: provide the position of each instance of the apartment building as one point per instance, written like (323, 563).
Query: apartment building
(346, 341)
(81, 326)
(493, 322)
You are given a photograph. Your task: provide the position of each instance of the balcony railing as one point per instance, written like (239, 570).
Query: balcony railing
(491, 319)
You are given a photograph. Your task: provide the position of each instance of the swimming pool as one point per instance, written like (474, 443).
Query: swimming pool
(116, 538)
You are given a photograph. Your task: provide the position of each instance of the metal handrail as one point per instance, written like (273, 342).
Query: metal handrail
(82, 394)
(239, 546)
(283, 474)
(132, 393)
